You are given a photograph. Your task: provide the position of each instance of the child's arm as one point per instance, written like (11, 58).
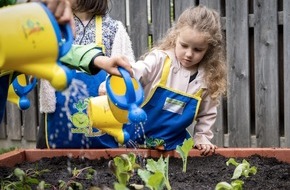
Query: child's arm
(90, 59)
(205, 119)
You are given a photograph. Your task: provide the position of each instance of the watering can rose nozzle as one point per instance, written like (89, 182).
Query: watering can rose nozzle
(136, 114)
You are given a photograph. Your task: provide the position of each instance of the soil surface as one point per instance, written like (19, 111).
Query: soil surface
(202, 172)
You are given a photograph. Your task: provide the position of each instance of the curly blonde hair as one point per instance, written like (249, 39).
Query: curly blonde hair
(207, 21)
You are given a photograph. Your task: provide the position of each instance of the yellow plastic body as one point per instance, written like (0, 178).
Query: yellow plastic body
(118, 87)
(29, 45)
(101, 117)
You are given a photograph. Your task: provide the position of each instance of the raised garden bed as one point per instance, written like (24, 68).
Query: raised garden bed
(203, 172)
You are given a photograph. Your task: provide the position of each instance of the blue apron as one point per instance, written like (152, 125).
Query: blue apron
(169, 113)
(68, 126)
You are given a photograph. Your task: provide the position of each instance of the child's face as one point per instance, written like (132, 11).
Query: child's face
(190, 48)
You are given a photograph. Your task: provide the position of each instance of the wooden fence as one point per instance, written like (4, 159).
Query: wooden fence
(256, 112)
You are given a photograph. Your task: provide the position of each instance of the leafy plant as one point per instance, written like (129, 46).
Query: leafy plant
(84, 173)
(184, 150)
(242, 169)
(123, 167)
(235, 185)
(26, 179)
(156, 175)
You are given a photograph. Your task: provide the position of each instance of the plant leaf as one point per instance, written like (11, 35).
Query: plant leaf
(154, 166)
(239, 170)
(232, 161)
(223, 186)
(156, 181)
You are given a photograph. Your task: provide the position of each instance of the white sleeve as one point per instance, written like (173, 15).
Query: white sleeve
(122, 44)
(205, 119)
(47, 99)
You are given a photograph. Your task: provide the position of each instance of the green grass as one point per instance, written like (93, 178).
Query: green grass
(4, 150)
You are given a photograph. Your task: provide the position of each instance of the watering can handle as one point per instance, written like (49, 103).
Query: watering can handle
(68, 39)
(130, 92)
(23, 90)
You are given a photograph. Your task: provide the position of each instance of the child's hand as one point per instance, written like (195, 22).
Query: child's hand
(206, 148)
(111, 64)
(102, 89)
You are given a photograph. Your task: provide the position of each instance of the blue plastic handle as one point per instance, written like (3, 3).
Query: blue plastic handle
(63, 32)
(131, 100)
(22, 91)
(67, 40)
(130, 92)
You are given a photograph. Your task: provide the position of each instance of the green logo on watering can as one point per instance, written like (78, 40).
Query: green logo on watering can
(32, 27)
(81, 120)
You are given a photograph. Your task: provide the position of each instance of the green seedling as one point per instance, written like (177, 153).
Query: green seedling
(86, 173)
(235, 185)
(242, 169)
(156, 174)
(123, 167)
(26, 179)
(184, 150)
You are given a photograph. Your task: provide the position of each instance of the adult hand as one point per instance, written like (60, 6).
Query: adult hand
(206, 148)
(61, 9)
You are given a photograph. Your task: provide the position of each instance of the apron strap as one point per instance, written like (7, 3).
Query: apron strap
(165, 72)
(99, 33)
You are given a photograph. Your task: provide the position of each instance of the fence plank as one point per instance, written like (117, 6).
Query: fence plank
(3, 134)
(138, 26)
(118, 10)
(266, 73)
(238, 76)
(218, 127)
(181, 5)
(30, 120)
(14, 128)
(160, 18)
(286, 82)
(211, 4)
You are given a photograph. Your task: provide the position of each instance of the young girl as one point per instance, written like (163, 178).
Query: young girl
(66, 124)
(183, 78)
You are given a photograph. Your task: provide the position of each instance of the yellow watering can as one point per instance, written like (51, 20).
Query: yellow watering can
(31, 42)
(121, 105)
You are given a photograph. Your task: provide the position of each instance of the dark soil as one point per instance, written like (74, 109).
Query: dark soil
(202, 172)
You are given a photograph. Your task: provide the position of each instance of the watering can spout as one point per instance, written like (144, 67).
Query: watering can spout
(136, 114)
(102, 118)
